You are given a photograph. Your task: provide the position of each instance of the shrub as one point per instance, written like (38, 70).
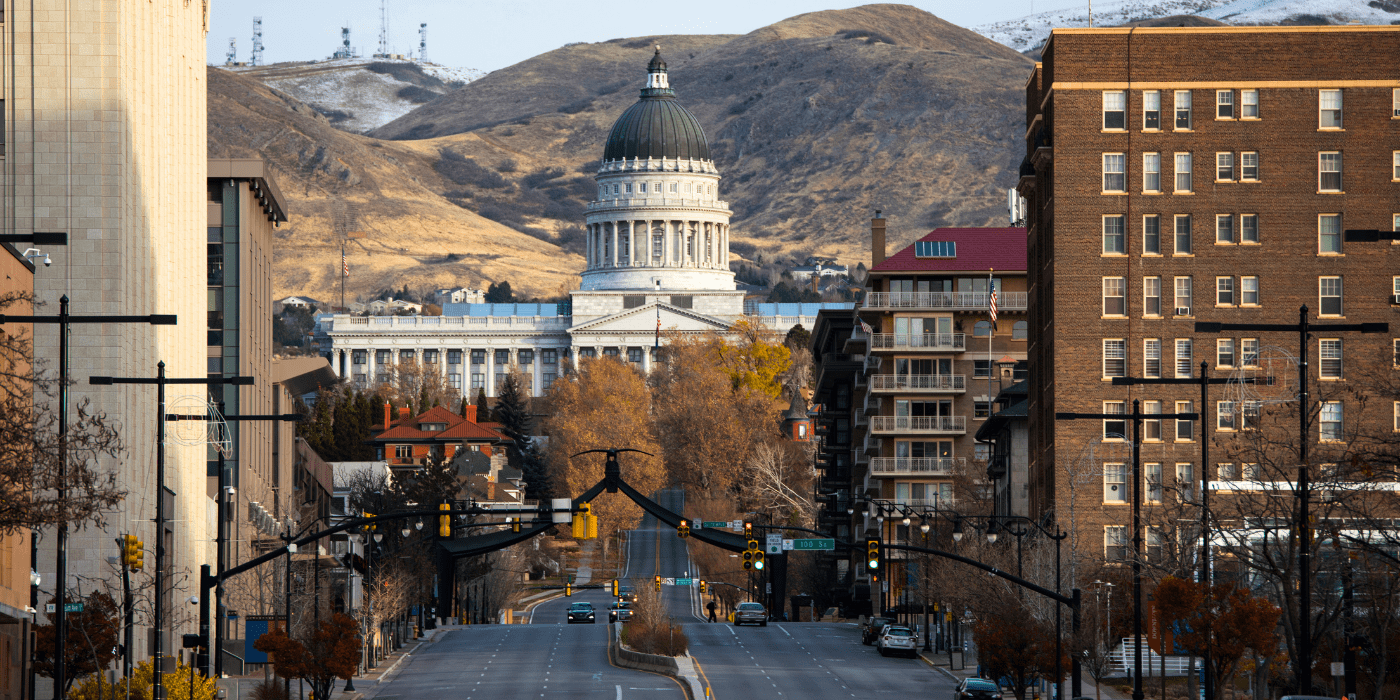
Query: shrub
(507, 166)
(870, 37)
(577, 106)
(465, 171)
(417, 95)
(268, 690)
(666, 640)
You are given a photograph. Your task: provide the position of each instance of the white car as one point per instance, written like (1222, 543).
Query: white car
(897, 640)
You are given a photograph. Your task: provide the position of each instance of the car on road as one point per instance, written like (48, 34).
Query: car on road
(977, 689)
(620, 611)
(870, 631)
(750, 613)
(581, 612)
(626, 593)
(897, 640)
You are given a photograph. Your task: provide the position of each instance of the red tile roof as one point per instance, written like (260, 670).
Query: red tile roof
(979, 249)
(458, 428)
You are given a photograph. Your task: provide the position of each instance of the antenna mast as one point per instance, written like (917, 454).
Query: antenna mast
(345, 50)
(232, 56)
(257, 42)
(423, 42)
(383, 28)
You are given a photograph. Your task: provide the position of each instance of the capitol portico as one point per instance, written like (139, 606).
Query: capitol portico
(657, 257)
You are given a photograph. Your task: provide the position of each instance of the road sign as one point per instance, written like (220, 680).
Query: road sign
(67, 607)
(668, 582)
(736, 525)
(684, 582)
(815, 545)
(715, 524)
(774, 544)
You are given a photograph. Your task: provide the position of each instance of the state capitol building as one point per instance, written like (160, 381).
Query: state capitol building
(657, 253)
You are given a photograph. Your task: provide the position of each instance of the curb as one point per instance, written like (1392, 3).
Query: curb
(679, 668)
(939, 668)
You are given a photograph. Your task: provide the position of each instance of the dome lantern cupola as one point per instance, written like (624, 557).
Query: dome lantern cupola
(657, 126)
(656, 74)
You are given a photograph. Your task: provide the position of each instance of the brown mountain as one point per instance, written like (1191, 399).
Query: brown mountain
(815, 122)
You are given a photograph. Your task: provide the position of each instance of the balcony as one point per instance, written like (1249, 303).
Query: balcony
(925, 466)
(944, 301)
(872, 444)
(947, 342)
(927, 425)
(861, 417)
(918, 383)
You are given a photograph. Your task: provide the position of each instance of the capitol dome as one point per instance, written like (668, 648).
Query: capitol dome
(657, 126)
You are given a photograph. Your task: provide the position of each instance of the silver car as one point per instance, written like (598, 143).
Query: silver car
(897, 640)
(750, 613)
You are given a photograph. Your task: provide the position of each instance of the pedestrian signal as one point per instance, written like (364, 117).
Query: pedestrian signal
(872, 553)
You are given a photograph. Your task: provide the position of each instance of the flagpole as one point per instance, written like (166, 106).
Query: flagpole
(992, 318)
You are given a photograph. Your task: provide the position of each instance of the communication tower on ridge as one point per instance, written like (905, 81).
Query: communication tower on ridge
(256, 60)
(232, 56)
(423, 42)
(345, 50)
(383, 29)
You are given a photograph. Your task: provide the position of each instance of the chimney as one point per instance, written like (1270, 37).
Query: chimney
(403, 412)
(877, 240)
(469, 412)
(387, 415)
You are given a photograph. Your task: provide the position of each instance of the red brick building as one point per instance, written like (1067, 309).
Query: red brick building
(1199, 174)
(436, 433)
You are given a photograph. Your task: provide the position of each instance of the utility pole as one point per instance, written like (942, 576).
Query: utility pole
(344, 218)
(64, 320)
(1302, 328)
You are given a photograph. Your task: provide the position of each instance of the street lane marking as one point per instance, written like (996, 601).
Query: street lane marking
(619, 692)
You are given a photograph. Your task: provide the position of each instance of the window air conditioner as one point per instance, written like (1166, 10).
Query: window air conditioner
(1183, 311)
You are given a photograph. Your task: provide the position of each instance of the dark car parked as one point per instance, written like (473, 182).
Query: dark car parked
(870, 631)
(581, 612)
(977, 689)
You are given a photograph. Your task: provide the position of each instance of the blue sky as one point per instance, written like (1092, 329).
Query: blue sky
(491, 34)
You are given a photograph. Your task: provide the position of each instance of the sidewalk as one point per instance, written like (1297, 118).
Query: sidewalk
(940, 662)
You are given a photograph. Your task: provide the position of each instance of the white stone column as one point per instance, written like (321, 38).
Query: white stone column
(616, 254)
(646, 360)
(631, 244)
(490, 379)
(535, 370)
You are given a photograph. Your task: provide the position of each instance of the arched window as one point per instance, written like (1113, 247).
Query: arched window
(1019, 330)
(982, 329)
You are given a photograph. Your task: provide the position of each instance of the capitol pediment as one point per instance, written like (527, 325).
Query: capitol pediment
(643, 320)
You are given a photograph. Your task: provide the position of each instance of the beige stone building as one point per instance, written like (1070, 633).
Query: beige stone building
(105, 139)
(16, 275)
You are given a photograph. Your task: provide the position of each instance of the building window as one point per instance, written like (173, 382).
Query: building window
(406, 356)
(1152, 110)
(1115, 358)
(656, 246)
(1249, 352)
(1152, 475)
(1395, 103)
(1183, 234)
(1224, 104)
(1152, 358)
(1152, 427)
(1249, 291)
(1395, 410)
(1329, 351)
(1224, 167)
(1224, 228)
(1225, 352)
(981, 329)
(1249, 104)
(1019, 330)
(1151, 172)
(981, 409)
(546, 379)
(1152, 296)
(1395, 352)
(1184, 429)
(502, 357)
(1330, 422)
(478, 381)
(634, 355)
(1329, 292)
(1115, 543)
(1152, 235)
(1183, 358)
(1113, 175)
(1182, 302)
(1226, 472)
(478, 357)
(430, 357)
(1115, 428)
(454, 381)
(527, 357)
(981, 369)
(1225, 415)
(1329, 171)
(1115, 114)
(1249, 228)
(1115, 483)
(1329, 107)
(1185, 481)
(403, 451)
(549, 357)
(1113, 235)
(1183, 172)
(381, 357)
(359, 357)
(1183, 109)
(1329, 234)
(1249, 166)
(454, 357)
(1224, 291)
(1395, 165)
(1115, 300)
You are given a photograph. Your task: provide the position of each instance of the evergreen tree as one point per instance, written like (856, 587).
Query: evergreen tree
(513, 413)
(483, 409)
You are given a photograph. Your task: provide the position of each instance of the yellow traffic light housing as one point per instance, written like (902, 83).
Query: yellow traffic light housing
(444, 521)
(758, 559)
(369, 527)
(748, 533)
(702, 587)
(585, 524)
(615, 588)
(683, 530)
(658, 583)
(129, 549)
(568, 590)
(872, 553)
(138, 558)
(514, 523)
(748, 559)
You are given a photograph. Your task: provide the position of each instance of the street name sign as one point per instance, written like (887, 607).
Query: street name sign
(813, 545)
(683, 582)
(717, 524)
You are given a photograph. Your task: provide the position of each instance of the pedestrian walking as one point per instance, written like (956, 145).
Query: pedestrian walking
(712, 607)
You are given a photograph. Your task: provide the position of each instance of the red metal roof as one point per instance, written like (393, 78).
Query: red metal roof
(979, 249)
(458, 428)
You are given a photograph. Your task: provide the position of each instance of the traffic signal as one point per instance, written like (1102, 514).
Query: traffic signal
(658, 583)
(748, 533)
(568, 590)
(750, 554)
(585, 525)
(702, 588)
(138, 558)
(369, 527)
(514, 524)
(444, 521)
(683, 530)
(128, 544)
(616, 592)
(758, 559)
(872, 553)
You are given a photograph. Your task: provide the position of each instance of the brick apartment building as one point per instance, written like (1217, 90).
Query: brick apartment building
(1182, 175)
(902, 403)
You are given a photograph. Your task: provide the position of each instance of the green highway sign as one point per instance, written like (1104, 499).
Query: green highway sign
(683, 582)
(821, 545)
(715, 523)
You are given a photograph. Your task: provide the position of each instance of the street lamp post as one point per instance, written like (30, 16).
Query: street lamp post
(1302, 327)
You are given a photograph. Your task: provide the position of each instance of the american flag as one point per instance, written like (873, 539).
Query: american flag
(865, 327)
(992, 308)
(344, 265)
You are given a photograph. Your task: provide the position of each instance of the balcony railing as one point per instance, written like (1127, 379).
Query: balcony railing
(919, 424)
(918, 341)
(918, 382)
(952, 301)
(931, 466)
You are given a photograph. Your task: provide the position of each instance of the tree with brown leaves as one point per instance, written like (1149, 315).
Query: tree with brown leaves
(1010, 646)
(92, 639)
(1224, 619)
(331, 652)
